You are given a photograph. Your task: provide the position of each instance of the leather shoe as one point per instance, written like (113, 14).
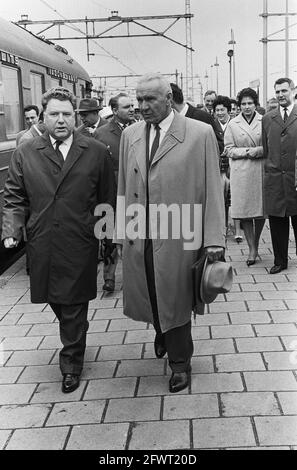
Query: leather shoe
(277, 268)
(70, 383)
(109, 285)
(178, 381)
(160, 348)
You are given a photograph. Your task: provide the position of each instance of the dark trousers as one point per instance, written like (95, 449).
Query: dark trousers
(73, 320)
(178, 341)
(279, 229)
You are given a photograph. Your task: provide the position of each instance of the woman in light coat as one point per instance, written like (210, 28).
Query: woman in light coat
(243, 144)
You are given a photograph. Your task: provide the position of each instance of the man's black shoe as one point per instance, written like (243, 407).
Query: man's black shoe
(160, 348)
(70, 383)
(109, 285)
(178, 381)
(277, 268)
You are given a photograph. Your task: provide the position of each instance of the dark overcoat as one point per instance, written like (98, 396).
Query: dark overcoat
(110, 135)
(279, 147)
(55, 206)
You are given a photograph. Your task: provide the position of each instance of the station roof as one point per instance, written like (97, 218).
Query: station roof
(25, 45)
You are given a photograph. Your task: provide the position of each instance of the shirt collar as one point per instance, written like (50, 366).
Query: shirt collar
(66, 142)
(183, 112)
(166, 123)
(289, 109)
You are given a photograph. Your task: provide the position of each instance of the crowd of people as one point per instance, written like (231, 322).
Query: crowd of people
(230, 154)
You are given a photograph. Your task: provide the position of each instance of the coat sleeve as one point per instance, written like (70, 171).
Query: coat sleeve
(119, 234)
(214, 210)
(219, 135)
(16, 203)
(107, 185)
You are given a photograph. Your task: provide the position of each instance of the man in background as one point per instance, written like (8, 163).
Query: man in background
(31, 113)
(209, 98)
(89, 114)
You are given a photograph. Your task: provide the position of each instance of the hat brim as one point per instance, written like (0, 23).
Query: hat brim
(207, 292)
(79, 110)
(206, 298)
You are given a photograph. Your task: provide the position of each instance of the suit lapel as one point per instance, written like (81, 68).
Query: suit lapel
(291, 118)
(175, 134)
(47, 150)
(75, 152)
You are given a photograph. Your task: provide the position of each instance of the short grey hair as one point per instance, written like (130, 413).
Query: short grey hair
(155, 76)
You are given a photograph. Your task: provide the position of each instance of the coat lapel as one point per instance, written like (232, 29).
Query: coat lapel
(276, 116)
(175, 134)
(291, 118)
(75, 152)
(139, 145)
(249, 129)
(47, 150)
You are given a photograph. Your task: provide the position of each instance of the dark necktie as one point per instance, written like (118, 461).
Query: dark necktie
(285, 114)
(156, 142)
(58, 152)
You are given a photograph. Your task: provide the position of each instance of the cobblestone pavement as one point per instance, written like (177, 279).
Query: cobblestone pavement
(243, 393)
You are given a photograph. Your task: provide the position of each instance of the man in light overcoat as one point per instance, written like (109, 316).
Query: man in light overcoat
(171, 160)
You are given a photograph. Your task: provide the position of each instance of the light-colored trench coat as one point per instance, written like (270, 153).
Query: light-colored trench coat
(246, 175)
(185, 170)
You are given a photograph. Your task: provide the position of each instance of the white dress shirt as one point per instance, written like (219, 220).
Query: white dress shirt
(64, 147)
(164, 126)
(289, 110)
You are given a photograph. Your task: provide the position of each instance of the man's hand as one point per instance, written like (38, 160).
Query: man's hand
(120, 250)
(215, 253)
(10, 242)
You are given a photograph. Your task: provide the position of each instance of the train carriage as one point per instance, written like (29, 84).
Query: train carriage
(29, 65)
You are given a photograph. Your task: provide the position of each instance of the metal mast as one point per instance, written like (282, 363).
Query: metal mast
(189, 52)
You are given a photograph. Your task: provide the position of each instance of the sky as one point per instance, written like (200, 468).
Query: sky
(211, 32)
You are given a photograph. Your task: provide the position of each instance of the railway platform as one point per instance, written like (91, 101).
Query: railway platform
(243, 393)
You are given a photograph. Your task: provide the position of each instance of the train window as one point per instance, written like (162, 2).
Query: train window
(37, 88)
(55, 82)
(82, 91)
(12, 107)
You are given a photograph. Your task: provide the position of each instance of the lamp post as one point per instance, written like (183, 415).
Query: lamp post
(233, 42)
(216, 64)
(206, 78)
(230, 55)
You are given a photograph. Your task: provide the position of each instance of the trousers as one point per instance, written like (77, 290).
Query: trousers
(279, 230)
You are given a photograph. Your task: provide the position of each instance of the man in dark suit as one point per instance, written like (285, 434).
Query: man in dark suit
(209, 97)
(279, 135)
(53, 186)
(110, 135)
(89, 113)
(190, 111)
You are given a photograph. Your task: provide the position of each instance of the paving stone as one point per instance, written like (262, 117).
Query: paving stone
(155, 386)
(37, 374)
(259, 287)
(140, 336)
(241, 268)
(50, 342)
(102, 339)
(21, 344)
(249, 404)
(38, 439)
(270, 381)
(286, 286)
(30, 358)
(45, 329)
(10, 319)
(4, 435)
(34, 318)
(141, 367)
(216, 383)
(288, 401)
(133, 409)
(250, 318)
(4, 356)
(109, 314)
(9, 375)
(98, 370)
(236, 296)
(23, 416)
(13, 331)
(239, 362)
(290, 342)
(161, 435)
(276, 278)
(222, 432)
(266, 305)
(221, 307)
(207, 347)
(280, 360)
(122, 351)
(277, 430)
(102, 303)
(125, 324)
(16, 394)
(200, 332)
(258, 344)
(191, 406)
(286, 316)
(283, 295)
(202, 364)
(231, 331)
(212, 319)
(30, 308)
(110, 388)
(276, 329)
(243, 278)
(4, 309)
(90, 355)
(96, 326)
(98, 437)
(51, 393)
(292, 304)
(82, 412)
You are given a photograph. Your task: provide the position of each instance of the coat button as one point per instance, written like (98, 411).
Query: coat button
(131, 242)
(135, 169)
(135, 194)
(55, 171)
